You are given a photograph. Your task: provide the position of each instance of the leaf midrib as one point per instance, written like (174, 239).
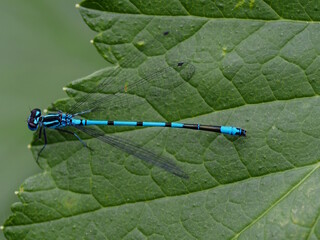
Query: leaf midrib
(317, 165)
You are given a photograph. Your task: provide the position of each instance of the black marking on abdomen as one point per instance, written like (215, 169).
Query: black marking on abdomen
(110, 122)
(140, 124)
(191, 126)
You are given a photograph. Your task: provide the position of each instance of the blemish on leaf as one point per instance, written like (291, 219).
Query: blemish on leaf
(251, 3)
(140, 43)
(239, 4)
(224, 51)
(69, 202)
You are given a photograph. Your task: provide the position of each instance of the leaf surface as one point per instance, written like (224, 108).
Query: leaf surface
(256, 67)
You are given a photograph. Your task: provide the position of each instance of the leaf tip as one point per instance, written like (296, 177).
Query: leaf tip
(91, 41)
(77, 5)
(1, 227)
(64, 89)
(16, 192)
(29, 146)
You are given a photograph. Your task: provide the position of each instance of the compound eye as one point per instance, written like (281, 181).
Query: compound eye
(35, 113)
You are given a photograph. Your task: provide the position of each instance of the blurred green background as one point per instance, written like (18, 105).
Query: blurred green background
(44, 45)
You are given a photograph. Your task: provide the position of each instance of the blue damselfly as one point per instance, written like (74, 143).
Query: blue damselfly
(178, 72)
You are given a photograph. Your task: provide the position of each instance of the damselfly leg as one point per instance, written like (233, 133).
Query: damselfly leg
(74, 134)
(45, 142)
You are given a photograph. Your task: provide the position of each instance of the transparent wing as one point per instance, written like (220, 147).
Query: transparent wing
(114, 83)
(134, 150)
(109, 93)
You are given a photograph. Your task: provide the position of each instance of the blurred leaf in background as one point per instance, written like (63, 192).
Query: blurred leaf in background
(43, 45)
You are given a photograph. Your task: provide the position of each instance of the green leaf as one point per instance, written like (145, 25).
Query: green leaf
(257, 67)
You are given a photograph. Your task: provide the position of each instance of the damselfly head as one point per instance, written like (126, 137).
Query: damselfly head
(33, 119)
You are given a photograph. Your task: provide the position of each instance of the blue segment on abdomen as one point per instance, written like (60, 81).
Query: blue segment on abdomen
(76, 121)
(177, 125)
(92, 122)
(124, 123)
(229, 130)
(153, 124)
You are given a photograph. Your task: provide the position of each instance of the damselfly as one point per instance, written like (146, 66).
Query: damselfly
(60, 120)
